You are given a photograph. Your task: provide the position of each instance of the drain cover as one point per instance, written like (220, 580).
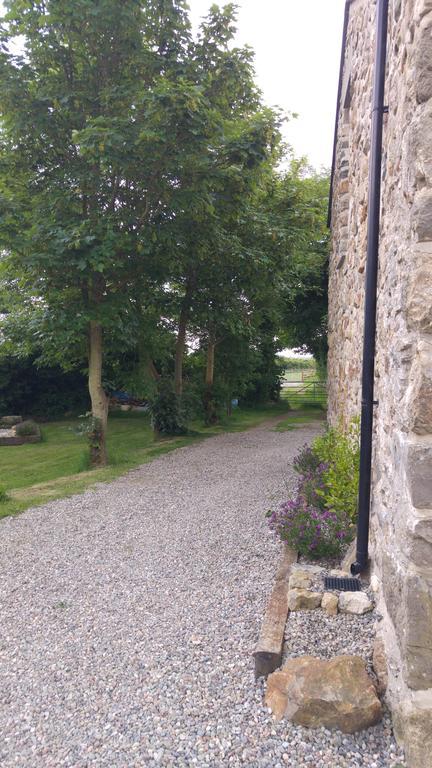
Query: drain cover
(343, 585)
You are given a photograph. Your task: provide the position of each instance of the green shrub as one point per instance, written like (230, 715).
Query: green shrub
(3, 495)
(168, 412)
(318, 519)
(341, 452)
(27, 429)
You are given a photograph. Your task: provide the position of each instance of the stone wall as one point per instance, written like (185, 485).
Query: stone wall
(402, 463)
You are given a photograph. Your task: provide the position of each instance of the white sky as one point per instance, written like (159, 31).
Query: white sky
(297, 45)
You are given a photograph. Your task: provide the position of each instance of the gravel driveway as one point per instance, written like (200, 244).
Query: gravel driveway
(129, 613)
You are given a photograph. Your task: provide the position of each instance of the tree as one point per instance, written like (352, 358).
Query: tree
(242, 140)
(305, 317)
(97, 117)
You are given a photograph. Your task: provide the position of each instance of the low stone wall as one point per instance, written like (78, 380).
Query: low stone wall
(402, 462)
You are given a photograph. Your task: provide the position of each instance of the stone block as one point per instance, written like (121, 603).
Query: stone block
(419, 542)
(419, 300)
(413, 728)
(391, 580)
(300, 580)
(356, 603)
(303, 600)
(421, 8)
(408, 598)
(423, 66)
(329, 603)
(419, 475)
(422, 215)
(379, 663)
(418, 152)
(418, 632)
(421, 406)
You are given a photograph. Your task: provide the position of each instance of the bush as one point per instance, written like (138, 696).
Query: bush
(27, 429)
(306, 460)
(3, 495)
(341, 452)
(46, 393)
(167, 412)
(319, 519)
(310, 530)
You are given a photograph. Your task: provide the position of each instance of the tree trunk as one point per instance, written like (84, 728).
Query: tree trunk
(99, 400)
(179, 353)
(209, 402)
(147, 370)
(209, 378)
(181, 334)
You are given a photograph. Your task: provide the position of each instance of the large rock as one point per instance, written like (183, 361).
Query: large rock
(354, 602)
(334, 694)
(300, 580)
(329, 603)
(303, 600)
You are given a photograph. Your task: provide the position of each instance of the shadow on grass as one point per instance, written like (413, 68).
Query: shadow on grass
(58, 466)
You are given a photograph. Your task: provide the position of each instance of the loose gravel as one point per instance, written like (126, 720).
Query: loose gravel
(129, 615)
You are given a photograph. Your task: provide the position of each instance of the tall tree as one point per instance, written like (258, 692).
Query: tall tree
(97, 116)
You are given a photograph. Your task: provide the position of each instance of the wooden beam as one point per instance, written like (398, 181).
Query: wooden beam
(269, 649)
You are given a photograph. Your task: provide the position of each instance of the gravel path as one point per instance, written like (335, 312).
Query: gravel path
(129, 613)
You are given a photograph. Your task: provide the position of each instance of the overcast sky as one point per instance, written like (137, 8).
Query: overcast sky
(297, 45)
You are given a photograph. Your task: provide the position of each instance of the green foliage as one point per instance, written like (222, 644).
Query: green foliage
(41, 391)
(139, 193)
(3, 495)
(305, 309)
(340, 451)
(298, 418)
(168, 412)
(318, 520)
(27, 429)
(297, 363)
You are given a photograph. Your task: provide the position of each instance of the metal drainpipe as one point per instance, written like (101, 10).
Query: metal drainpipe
(374, 205)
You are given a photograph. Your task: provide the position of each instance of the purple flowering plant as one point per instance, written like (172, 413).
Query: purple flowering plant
(304, 521)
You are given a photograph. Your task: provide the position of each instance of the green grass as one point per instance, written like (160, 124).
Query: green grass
(298, 418)
(58, 466)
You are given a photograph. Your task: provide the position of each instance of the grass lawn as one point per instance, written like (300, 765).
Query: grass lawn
(57, 467)
(298, 418)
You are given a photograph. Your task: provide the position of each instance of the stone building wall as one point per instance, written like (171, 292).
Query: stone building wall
(402, 463)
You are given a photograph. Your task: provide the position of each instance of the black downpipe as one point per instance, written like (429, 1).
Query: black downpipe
(374, 206)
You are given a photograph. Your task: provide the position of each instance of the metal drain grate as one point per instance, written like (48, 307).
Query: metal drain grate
(343, 585)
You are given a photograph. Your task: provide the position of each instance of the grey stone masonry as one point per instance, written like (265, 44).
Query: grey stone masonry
(401, 520)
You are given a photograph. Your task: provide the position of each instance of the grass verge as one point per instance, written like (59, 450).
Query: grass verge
(298, 418)
(58, 466)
